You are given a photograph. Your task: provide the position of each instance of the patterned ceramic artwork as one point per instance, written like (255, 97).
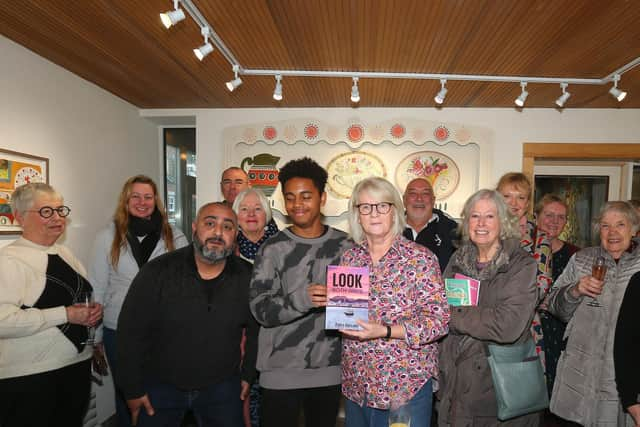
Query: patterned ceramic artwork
(311, 131)
(348, 169)
(398, 131)
(441, 171)
(355, 133)
(269, 133)
(262, 172)
(441, 133)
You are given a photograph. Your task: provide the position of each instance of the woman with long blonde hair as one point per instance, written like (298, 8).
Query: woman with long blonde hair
(139, 232)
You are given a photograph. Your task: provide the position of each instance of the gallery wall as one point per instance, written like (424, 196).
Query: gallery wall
(93, 140)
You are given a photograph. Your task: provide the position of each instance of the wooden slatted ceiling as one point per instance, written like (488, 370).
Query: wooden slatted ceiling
(121, 46)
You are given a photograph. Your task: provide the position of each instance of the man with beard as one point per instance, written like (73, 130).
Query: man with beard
(180, 329)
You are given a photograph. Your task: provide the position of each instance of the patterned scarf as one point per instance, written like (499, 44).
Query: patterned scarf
(249, 249)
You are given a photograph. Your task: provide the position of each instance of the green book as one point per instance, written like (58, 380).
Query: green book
(458, 291)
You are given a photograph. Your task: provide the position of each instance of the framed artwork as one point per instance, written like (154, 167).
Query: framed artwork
(439, 169)
(347, 169)
(17, 169)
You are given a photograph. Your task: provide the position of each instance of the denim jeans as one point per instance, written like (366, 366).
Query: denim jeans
(365, 416)
(218, 405)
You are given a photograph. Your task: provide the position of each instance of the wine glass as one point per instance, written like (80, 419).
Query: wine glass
(85, 298)
(598, 271)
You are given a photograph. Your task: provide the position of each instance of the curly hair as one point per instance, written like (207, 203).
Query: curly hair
(121, 218)
(304, 168)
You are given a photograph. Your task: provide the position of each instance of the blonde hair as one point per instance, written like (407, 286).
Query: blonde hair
(121, 218)
(518, 180)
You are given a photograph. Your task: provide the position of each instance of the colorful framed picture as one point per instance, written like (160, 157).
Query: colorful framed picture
(347, 169)
(17, 169)
(439, 169)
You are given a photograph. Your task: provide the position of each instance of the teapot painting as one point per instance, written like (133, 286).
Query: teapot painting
(262, 172)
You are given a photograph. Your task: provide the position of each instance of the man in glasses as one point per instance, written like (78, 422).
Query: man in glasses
(233, 181)
(298, 360)
(425, 225)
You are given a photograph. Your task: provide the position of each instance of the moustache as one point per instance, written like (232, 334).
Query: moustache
(215, 240)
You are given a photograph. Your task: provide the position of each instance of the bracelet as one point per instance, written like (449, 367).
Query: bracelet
(388, 332)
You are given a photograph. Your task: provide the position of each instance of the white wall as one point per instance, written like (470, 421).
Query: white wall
(93, 140)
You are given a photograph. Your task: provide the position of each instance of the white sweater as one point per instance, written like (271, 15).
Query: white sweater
(30, 342)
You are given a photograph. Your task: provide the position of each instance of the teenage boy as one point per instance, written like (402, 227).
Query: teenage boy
(298, 360)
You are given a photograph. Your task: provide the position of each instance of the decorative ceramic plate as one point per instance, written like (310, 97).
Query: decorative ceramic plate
(441, 171)
(348, 169)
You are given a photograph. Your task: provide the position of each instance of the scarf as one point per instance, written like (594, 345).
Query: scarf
(249, 249)
(150, 229)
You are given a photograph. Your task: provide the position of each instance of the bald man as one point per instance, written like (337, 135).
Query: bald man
(425, 225)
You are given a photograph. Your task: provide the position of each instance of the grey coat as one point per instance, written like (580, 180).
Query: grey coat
(508, 297)
(585, 389)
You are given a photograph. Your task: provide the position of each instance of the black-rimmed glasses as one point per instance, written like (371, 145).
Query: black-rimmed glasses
(367, 208)
(47, 211)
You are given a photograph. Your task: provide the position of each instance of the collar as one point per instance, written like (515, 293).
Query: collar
(394, 250)
(434, 218)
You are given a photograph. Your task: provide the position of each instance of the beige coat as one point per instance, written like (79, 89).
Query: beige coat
(508, 297)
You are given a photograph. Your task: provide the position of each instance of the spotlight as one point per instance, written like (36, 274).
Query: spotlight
(355, 93)
(565, 95)
(439, 98)
(237, 81)
(206, 48)
(523, 95)
(615, 92)
(172, 17)
(277, 92)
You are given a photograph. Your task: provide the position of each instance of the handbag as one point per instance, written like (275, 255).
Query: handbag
(518, 379)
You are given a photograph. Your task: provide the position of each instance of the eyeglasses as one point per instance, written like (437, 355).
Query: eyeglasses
(367, 208)
(47, 211)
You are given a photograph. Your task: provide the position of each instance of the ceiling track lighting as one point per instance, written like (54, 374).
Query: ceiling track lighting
(565, 95)
(439, 98)
(355, 93)
(237, 81)
(172, 17)
(277, 92)
(615, 92)
(207, 47)
(178, 14)
(523, 95)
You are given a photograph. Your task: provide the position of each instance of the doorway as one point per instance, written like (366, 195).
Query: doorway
(180, 177)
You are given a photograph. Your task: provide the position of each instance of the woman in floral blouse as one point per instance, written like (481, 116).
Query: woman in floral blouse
(390, 363)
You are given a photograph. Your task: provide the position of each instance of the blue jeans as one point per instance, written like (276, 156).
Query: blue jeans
(123, 416)
(365, 416)
(218, 405)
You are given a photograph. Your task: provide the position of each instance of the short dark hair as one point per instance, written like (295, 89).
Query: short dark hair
(304, 168)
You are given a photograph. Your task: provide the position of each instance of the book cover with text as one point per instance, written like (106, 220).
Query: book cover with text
(347, 296)
(474, 287)
(458, 292)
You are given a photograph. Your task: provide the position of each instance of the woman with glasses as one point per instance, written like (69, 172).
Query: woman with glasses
(139, 232)
(489, 252)
(44, 360)
(391, 361)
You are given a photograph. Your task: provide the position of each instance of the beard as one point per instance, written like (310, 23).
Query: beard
(213, 255)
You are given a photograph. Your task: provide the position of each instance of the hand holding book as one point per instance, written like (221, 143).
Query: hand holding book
(462, 290)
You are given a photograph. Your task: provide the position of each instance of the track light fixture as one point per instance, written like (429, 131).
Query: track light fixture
(237, 81)
(172, 17)
(615, 92)
(277, 92)
(565, 95)
(355, 93)
(207, 47)
(439, 98)
(523, 95)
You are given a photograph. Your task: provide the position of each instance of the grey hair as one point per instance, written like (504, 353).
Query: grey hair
(624, 208)
(384, 191)
(509, 227)
(264, 202)
(24, 196)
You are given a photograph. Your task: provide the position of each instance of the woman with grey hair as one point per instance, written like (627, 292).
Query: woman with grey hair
(391, 361)
(585, 389)
(44, 357)
(489, 252)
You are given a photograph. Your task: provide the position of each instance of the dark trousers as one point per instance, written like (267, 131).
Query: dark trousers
(123, 417)
(218, 405)
(281, 408)
(53, 398)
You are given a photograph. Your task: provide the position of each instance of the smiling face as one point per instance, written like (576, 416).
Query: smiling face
(375, 225)
(303, 202)
(615, 233)
(484, 224)
(214, 233)
(251, 215)
(552, 219)
(142, 200)
(517, 199)
(43, 231)
(418, 201)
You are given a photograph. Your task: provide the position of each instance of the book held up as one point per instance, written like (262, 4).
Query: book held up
(347, 297)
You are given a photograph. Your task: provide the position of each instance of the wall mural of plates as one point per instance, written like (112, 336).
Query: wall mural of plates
(439, 169)
(347, 169)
